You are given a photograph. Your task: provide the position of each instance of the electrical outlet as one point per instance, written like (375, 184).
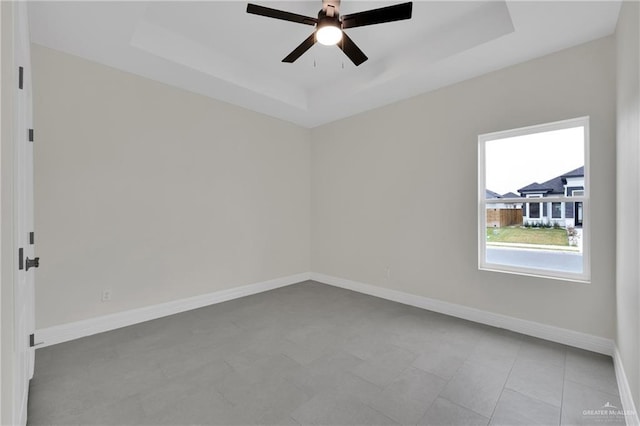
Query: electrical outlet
(106, 295)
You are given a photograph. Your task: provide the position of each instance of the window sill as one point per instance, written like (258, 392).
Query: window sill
(535, 273)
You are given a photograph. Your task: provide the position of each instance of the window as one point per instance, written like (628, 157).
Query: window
(541, 175)
(534, 210)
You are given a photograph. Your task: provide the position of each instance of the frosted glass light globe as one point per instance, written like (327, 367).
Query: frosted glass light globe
(329, 35)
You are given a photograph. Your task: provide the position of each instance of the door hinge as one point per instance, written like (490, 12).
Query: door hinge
(32, 237)
(30, 135)
(20, 259)
(20, 77)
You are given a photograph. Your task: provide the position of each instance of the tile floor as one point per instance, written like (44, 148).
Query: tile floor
(315, 354)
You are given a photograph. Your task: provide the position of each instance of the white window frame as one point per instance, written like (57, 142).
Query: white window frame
(483, 203)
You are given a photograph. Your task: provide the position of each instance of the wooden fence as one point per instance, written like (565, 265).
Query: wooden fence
(497, 218)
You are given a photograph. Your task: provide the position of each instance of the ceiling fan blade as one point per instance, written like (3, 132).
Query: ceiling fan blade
(350, 49)
(280, 14)
(396, 12)
(304, 46)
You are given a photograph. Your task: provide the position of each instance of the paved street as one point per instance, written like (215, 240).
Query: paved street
(542, 259)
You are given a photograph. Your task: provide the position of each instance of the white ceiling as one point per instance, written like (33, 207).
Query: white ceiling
(217, 49)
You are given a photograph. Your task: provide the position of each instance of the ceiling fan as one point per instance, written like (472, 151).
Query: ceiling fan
(330, 25)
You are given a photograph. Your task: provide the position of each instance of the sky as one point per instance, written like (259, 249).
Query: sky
(513, 163)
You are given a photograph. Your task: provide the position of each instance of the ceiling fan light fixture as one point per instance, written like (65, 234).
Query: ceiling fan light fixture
(329, 35)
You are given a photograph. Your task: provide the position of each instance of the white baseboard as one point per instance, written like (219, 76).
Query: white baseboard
(629, 407)
(75, 330)
(530, 328)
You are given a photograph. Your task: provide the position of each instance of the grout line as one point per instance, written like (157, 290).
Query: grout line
(429, 407)
(463, 407)
(294, 420)
(531, 397)
(564, 381)
(230, 366)
(225, 399)
(505, 384)
(440, 395)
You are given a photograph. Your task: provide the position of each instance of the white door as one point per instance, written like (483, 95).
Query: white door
(23, 199)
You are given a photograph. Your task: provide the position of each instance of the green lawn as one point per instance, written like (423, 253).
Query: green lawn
(516, 234)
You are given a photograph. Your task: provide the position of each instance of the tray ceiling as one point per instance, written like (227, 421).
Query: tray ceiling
(218, 50)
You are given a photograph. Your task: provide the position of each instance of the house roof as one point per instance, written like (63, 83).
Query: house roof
(491, 194)
(579, 172)
(510, 195)
(552, 186)
(536, 187)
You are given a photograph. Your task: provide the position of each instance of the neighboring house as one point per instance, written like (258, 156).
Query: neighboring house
(566, 214)
(511, 205)
(493, 195)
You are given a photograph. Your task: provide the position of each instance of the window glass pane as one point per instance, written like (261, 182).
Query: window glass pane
(535, 163)
(534, 210)
(556, 210)
(546, 247)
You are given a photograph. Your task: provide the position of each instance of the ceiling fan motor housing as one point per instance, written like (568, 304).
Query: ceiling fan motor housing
(325, 20)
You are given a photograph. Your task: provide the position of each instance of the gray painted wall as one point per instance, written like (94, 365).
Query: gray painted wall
(156, 193)
(628, 187)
